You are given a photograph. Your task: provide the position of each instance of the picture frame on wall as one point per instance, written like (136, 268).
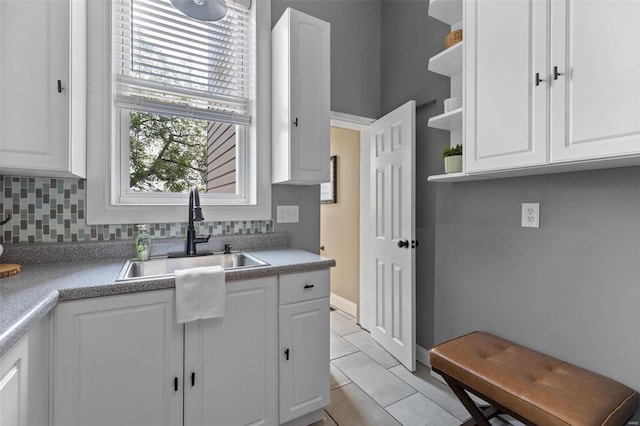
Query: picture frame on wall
(328, 191)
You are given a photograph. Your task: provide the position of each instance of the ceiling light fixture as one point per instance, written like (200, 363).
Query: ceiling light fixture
(202, 10)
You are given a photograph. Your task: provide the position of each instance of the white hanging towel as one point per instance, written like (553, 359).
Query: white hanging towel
(200, 293)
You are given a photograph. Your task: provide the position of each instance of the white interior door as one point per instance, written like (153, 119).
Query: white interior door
(392, 231)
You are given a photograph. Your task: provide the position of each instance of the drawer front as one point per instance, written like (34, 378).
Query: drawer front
(304, 286)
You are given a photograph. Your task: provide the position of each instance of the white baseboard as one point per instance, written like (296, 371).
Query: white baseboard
(343, 304)
(422, 356)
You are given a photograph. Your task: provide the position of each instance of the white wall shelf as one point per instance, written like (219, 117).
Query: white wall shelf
(448, 62)
(448, 11)
(448, 121)
(575, 166)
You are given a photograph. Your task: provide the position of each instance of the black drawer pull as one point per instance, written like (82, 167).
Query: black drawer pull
(193, 379)
(308, 286)
(286, 354)
(175, 384)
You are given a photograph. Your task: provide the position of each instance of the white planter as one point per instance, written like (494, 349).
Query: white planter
(453, 164)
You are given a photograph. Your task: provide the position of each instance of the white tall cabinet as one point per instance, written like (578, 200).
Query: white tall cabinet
(43, 88)
(301, 93)
(548, 82)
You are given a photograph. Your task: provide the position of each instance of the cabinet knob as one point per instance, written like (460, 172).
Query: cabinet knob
(403, 243)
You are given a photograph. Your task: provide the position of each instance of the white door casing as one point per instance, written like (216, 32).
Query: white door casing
(392, 269)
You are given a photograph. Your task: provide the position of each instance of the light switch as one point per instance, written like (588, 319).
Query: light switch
(287, 214)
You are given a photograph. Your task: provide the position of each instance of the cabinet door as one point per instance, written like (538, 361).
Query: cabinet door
(13, 385)
(230, 362)
(116, 359)
(505, 111)
(35, 120)
(304, 358)
(301, 99)
(596, 97)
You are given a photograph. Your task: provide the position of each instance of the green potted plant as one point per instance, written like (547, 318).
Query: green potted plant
(452, 159)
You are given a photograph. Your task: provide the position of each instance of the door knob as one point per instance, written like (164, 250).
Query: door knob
(414, 243)
(403, 243)
(322, 248)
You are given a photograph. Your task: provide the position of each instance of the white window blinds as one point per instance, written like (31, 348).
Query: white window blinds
(168, 63)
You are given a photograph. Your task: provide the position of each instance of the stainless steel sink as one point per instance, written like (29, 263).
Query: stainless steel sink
(157, 267)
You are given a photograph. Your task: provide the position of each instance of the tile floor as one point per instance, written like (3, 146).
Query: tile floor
(369, 387)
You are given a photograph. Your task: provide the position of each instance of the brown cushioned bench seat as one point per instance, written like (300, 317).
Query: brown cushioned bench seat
(532, 387)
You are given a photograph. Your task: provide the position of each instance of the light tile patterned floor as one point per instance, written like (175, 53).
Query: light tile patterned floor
(369, 387)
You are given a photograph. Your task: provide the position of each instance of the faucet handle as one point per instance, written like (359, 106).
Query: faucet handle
(199, 240)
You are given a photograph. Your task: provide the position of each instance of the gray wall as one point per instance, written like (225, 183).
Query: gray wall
(305, 235)
(409, 39)
(570, 289)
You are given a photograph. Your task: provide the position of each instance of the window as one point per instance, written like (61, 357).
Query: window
(185, 108)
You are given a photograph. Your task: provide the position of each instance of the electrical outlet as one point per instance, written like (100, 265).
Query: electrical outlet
(287, 214)
(531, 215)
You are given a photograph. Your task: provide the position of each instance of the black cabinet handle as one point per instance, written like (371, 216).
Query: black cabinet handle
(193, 379)
(175, 384)
(286, 354)
(59, 86)
(556, 74)
(538, 79)
(308, 286)
(295, 123)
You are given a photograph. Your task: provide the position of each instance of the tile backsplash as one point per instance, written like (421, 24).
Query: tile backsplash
(53, 210)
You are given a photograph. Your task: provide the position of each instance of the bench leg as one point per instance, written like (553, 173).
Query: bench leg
(478, 417)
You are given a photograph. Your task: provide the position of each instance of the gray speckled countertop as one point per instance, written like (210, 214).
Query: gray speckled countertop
(29, 296)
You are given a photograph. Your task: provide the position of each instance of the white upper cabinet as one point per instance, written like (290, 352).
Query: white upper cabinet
(43, 88)
(595, 99)
(505, 120)
(300, 99)
(551, 82)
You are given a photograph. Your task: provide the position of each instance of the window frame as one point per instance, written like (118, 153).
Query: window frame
(107, 203)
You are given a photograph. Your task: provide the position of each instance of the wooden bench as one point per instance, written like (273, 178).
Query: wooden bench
(534, 388)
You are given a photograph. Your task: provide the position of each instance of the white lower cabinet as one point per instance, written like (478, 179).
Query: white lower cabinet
(304, 344)
(118, 361)
(230, 362)
(24, 379)
(124, 360)
(13, 385)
